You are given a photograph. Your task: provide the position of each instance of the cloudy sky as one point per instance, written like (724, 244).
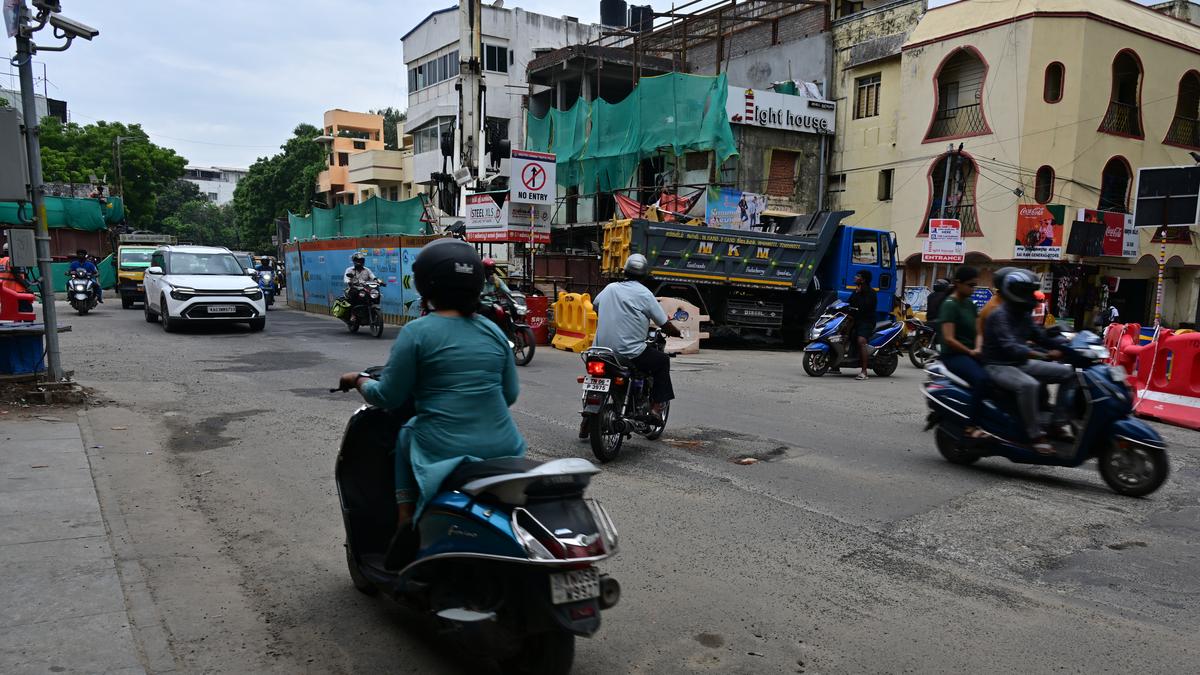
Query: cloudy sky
(224, 81)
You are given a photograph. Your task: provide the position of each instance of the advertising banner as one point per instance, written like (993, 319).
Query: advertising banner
(490, 222)
(732, 209)
(1039, 232)
(772, 110)
(1120, 236)
(945, 243)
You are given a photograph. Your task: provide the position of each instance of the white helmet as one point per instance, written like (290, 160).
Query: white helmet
(637, 267)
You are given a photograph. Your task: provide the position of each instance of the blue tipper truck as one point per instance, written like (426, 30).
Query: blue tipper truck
(758, 284)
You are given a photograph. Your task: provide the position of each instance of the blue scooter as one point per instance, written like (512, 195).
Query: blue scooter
(830, 346)
(503, 559)
(266, 282)
(1132, 456)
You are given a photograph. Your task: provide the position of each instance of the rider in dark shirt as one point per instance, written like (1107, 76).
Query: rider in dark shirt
(864, 302)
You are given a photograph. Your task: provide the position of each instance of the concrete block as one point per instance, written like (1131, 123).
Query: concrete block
(42, 515)
(55, 580)
(12, 431)
(100, 643)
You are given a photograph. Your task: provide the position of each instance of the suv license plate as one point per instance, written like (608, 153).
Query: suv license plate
(600, 384)
(574, 586)
(221, 309)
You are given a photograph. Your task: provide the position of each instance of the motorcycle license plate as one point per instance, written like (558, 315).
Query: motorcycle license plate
(221, 309)
(600, 384)
(574, 586)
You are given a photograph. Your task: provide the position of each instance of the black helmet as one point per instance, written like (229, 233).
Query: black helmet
(941, 286)
(1018, 287)
(358, 258)
(449, 273)
(998, 275)
(637, 267)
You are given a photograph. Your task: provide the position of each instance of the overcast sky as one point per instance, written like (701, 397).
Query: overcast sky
(224, 81)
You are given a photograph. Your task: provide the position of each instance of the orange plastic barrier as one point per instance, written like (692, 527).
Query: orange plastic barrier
(1173, 392)
(15, 305)
(574, 322)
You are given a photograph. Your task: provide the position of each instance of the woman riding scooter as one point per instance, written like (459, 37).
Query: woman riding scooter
(457, 369)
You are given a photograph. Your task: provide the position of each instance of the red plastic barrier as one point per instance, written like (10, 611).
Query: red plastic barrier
(15, 305)
(1173, 393)
(538, 306)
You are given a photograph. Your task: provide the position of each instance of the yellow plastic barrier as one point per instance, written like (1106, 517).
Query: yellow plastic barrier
(617, 235)
(574, 322)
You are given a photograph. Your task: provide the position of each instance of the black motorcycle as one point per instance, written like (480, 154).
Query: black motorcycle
(919, 343)
(82, 291)
(364, 307)
(616, 399)
(510, 317)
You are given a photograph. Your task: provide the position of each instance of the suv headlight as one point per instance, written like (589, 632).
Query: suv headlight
(254, 293)
(182, 292)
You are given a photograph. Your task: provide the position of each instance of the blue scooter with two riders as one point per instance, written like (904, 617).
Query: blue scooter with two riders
(1132, 457)
(502, 560)
(831, 344)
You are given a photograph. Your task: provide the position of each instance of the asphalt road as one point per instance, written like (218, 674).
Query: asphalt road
(851, 547)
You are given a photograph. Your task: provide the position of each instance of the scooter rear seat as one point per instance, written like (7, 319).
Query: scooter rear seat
(469, 471)
(513, 480)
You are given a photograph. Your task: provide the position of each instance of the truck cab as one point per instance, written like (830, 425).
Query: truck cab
(856, 249)
(133, 257)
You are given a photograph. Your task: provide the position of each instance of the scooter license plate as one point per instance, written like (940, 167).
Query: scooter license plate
(221, 309)
(600, 384)
(574, 586)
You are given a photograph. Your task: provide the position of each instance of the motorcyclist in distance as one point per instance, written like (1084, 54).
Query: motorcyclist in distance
(625, 311)
(492, 282)
(83, 262)
(357, 273)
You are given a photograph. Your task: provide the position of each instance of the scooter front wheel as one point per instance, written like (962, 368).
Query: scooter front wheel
(816, 364)
(376, 322)
(543, 654)
(951, 447)
(523, 345)
(1133, 470)
(361, 584)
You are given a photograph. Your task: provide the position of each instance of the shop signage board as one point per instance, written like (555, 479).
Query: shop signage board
(533, 178)
(945, 243)
(772, 110)
(1039, 232)
(981, 296)
(1107, 233)
(492, 222)
(733, 209)
(1168, 195)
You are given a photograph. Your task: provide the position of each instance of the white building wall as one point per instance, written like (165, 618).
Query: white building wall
(218, 191)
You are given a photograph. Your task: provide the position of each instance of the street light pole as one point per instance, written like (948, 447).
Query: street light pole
(33, 151)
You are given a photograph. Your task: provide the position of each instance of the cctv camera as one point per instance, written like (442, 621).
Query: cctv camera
(51, 6)
(72, 28)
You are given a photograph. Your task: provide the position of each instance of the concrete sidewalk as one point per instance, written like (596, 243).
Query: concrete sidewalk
(63, 609)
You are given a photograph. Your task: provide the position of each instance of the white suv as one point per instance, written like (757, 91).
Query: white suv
(201, 283)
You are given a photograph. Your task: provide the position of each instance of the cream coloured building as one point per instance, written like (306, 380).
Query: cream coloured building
(1054, 102)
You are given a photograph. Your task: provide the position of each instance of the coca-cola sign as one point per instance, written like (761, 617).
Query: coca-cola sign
(1039, 232)
(1120, 235)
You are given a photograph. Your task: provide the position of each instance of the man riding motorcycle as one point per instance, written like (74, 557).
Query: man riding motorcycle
(1013, 364)
(492, 282)
(624, 312)
(357, 273)
(83, 262)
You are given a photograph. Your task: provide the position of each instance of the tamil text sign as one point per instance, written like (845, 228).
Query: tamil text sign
(532, 178)
(772, 110)
(945, 243)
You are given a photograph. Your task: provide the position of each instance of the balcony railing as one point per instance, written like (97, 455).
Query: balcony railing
(965, 120)
(963, 213)
(1184, 131)
(1122, 118)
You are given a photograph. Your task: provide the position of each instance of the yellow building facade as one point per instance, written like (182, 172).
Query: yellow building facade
(1054, 103)
(346, 133)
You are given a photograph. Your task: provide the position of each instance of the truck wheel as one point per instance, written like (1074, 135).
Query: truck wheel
(126, 302)
(816, 364)
(1132, 470)
(885, 365)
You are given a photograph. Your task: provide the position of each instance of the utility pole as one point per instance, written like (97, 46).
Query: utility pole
(470, 95)
(27, 25)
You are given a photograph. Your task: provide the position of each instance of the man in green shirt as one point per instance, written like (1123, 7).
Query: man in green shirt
(961, 346)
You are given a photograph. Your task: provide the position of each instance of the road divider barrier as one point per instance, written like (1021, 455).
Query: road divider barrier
(574, 322)
(1162, 373)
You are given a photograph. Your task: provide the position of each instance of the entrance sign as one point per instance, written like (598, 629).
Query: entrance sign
(533, 177)
(945, 243)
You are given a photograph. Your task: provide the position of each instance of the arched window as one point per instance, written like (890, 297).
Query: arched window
(953, 197)
(959, 106)
(1124, 115)
(1185, 128)
(1114, 185)
(1043, 187)
(1052, 87)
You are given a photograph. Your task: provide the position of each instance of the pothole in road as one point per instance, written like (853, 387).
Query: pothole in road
(205, 434)
(733, 447)
(257, 362)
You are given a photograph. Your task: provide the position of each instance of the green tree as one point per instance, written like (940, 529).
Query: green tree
(71, 153)
(391, 117)
(175, 196)
(202, 222)
(276, 185)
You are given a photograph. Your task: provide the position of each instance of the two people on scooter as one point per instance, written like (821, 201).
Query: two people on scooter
(457, 369)
(1014, 361)
(625, 311)
(83, 262)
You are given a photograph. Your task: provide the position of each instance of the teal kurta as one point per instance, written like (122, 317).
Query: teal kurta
(459, 373)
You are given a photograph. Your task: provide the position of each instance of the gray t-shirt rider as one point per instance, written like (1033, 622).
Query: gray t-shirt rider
(626, 309)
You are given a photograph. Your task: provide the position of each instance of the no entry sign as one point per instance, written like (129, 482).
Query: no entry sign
(532, 177)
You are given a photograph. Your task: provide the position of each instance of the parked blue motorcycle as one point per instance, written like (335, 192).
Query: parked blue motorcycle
(1132, 456)
(503, 559)
(831, 345)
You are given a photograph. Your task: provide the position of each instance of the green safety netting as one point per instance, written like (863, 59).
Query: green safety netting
(599, 144)
(58, 274)
(372, 217)
(67, 212)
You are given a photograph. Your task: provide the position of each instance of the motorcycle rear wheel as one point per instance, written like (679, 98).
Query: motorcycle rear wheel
(606, 445)
(816, 364)
(886, 364)
(523, 346)
(550, 653)
(1133, 471)
(951, 448)
(919, 353)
